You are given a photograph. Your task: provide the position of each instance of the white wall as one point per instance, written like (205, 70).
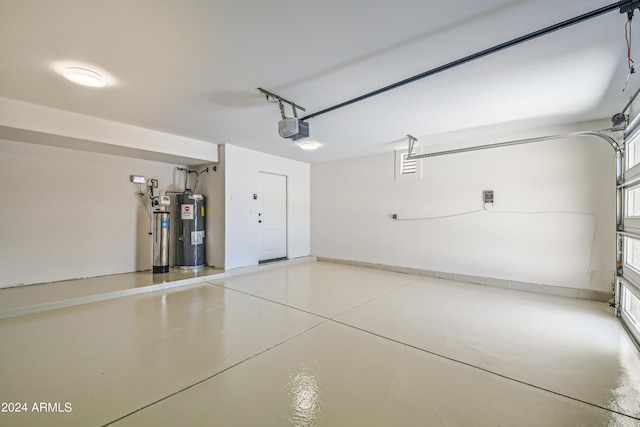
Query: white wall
(69, 214)
(242, 234)
(211, 185)
(553, 221)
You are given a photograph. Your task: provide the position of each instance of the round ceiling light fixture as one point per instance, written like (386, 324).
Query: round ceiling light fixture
(309, 145)
(84, 76)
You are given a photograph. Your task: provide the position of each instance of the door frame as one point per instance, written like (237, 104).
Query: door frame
(262, 258)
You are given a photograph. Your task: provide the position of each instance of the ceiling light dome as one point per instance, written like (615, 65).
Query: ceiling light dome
(309, 145)
(84, 76)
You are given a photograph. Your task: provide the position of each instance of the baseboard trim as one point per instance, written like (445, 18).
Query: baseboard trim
(195, 281)
(575, 293)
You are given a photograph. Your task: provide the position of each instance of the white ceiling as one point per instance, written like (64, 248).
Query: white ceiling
(192, 68)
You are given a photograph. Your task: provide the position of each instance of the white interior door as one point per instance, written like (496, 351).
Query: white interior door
(272, 216)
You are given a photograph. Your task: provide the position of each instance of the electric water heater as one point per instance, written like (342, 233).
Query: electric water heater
(190, 229)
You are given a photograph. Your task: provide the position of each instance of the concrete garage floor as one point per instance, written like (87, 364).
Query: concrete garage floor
(318, 343)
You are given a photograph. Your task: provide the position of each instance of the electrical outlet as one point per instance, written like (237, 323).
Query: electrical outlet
(137, 179)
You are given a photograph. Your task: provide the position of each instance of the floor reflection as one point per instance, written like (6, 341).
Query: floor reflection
(303, 392)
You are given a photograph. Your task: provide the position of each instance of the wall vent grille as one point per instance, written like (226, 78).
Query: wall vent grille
(409, 166)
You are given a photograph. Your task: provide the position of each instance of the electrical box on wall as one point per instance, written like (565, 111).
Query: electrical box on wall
(487, 196)
(137, 179)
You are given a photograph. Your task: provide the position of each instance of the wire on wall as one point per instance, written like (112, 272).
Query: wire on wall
(147, 208)
(395, 216)
(627, 36)
(589, 271)
(484, 209)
